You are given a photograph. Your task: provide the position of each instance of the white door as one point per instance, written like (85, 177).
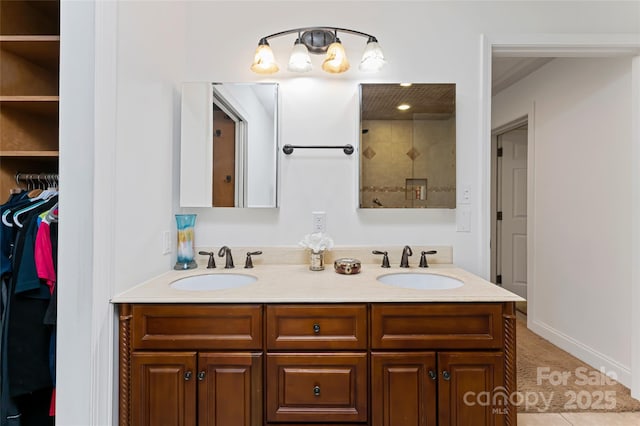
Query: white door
(512, 206)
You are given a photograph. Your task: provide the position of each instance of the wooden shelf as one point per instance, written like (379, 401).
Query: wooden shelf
(46, 106)
(29, 38)
(29, 80)
(29, 65)
(41, 50)
(34, 98)
(21, 154)
(28, 125)
(29, 17)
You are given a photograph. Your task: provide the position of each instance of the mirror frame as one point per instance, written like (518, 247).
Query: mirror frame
(440, 106)
(196, 146)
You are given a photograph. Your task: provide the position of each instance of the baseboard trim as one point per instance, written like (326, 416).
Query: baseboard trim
(581, 351)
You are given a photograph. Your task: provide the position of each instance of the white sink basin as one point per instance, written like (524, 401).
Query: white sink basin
(424, 281)
(212, 282)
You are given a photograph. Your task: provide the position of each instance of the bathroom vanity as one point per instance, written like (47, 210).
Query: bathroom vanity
(298, 347)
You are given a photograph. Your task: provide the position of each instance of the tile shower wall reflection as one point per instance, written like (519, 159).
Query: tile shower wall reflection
(408, 163)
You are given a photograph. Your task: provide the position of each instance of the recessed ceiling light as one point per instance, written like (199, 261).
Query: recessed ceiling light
(403, 107)
(405, 84)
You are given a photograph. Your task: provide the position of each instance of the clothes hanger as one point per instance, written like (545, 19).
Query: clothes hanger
(52, 216)
(16, 215)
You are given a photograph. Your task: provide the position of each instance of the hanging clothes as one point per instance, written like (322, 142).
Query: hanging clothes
(27, 356)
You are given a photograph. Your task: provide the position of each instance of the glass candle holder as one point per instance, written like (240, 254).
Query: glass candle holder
(186, 249)
(317, 260)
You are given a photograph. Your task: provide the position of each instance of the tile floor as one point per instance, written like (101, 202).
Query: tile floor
(579, 419)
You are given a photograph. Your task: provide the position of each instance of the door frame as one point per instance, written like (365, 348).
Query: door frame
(559, 45)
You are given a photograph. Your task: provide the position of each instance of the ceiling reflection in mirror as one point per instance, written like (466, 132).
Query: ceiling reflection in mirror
(229, 145)
(407, 146)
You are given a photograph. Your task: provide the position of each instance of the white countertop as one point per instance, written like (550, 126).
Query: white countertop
(297, 284)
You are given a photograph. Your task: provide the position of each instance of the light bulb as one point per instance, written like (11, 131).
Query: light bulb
(299, 61)
(264, 62)
(372, 58)
(336, 60)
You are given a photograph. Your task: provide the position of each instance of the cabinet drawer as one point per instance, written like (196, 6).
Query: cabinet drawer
(436, 326)
(317, 387)
(322, 327)
(196, 326)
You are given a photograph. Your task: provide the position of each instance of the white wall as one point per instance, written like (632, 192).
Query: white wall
(160, 44)
(581, 296)
(75, 264)
(150, 70)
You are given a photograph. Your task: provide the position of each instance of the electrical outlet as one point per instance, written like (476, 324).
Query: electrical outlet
(166, 242)
(319, 221)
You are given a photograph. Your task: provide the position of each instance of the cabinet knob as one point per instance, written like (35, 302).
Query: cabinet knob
(446, 375)
(201, 375)
(432, 375)
(316, 328)
(316, 390)
(187, 375)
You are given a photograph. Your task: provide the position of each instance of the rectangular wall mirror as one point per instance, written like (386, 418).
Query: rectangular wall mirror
(407, 146)
(228, 145)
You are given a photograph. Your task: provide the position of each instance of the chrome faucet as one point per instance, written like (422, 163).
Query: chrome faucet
(224, 250)
(404, 261)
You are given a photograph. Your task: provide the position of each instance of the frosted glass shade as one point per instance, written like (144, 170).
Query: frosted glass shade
(372, 58)
(299, 61)
(264, 62)
(336, 60)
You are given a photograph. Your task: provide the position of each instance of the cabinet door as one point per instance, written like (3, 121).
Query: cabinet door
(230, 389)
(163, 389)
(403, 389)
(471, 389)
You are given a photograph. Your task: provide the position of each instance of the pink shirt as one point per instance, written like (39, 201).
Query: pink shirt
(43, 255)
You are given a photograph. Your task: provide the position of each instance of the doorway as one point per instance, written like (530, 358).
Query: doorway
(563, 47)
(509, 209)
(224, 160)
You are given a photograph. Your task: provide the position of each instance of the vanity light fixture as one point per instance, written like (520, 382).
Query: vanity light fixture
(317, 40)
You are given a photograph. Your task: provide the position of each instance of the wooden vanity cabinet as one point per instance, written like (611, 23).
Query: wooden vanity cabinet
(378, 364)
(431, 362)
(317, 363)
(173, 371)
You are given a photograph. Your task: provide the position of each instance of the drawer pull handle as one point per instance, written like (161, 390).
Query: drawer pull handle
(201, 375)
(316, 328)
(432, 375)
(316, 390)
(446, 375)
(187, 376)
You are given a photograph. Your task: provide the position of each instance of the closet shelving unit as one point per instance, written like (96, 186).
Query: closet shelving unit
(29, 89)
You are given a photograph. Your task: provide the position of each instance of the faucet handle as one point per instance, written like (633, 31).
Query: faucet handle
(423, 258)
(248, 263)
(212, 261)
(385, 258)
